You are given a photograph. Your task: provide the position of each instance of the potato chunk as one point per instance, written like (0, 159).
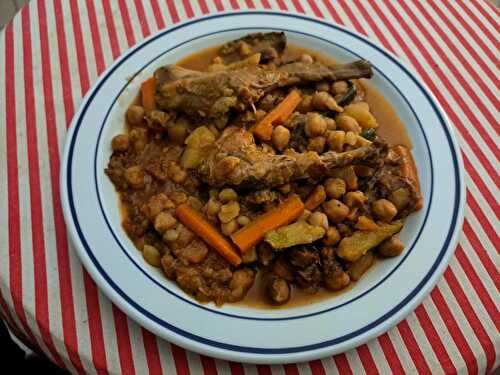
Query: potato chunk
(354, 247)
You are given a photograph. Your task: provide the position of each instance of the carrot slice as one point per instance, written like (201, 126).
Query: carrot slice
(148, 89)
(317, 197)
(253, 233)
(194, 221)
(408, 169)
(264, 128)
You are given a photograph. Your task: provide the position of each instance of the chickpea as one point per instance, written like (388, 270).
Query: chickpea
(315, 124)
(318, 219)
(400, 198)
(391, 247)
(332, 236)
(335, 140)
(323, 101)
(228, 195)
(330, 123)
(177, 174)
(135, 114)
(285, 189)
(335, 210)
(135, 176)
(280, 137)
(245, 49)
(213, 193)
(355, 198)
(306, 58)
(164, 221)
(335, 187)
(243, 220)
(384, 210)
(151, 255)
(348, 124)
(139, 136)
(305, 104)
(177, 133)
(120, 142)
(317, 144)
(304, 215)
(249, 256)
(322, 86)
(156, 204)
(350, 138)
(230, 227)
(212, 207)
(170, 235)
(339, 87)
(195, 203)
(259, 114)
(278, 290)
(229, 211)
(178, 197)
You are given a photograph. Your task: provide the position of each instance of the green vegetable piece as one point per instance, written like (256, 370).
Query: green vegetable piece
(298, 233)
(369, 134)
(354, 247)
(349, 96)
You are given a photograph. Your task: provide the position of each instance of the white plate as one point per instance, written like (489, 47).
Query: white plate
(381, 299)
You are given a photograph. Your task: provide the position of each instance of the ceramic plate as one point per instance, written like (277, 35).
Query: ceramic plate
(383, 297)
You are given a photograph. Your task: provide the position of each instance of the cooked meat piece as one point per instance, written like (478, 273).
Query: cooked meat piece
(171, 73)
(282, 268)
(388, 184)
(334, 277)
(278, 290)
(215, 94)
(304, 256)
(236, 160)
(269, 45)
(309, 278)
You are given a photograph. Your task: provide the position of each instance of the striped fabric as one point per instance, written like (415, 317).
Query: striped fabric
(52, 53)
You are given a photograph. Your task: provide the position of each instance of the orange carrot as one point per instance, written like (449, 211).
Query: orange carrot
(253, 233)
(408, 169)
(317, 197)
(194, 221)
(148, 89)
(264, 129)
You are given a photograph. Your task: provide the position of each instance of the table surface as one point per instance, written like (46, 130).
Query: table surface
(52, 53)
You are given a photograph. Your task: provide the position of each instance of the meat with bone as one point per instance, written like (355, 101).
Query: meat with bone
(214, 94)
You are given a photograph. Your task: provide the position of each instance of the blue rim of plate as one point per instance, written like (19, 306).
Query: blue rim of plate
(245, 349)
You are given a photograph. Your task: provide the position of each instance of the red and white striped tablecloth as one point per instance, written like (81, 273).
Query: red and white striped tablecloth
(52, 53)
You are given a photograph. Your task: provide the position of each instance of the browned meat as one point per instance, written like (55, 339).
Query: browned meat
(236, 160)
(210, 279)
(269, 45)
(215, 94)
(334, 277)
(304, 256)
(389, 184)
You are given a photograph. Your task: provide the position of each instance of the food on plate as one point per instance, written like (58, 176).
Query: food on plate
(265, 167)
